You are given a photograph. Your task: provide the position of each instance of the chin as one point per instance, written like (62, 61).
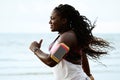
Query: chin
(53, 30)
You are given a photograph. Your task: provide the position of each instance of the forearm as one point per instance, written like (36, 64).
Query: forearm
(45, 58)
(85, 65)
(40, 54)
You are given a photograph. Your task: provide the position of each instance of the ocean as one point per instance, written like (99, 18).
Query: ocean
(17, 62)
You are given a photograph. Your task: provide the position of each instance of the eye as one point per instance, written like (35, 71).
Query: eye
(52, 18)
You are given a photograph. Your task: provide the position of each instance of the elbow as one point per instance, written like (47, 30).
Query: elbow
(51, 64)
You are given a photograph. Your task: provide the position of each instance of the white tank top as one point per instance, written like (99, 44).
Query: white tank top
(65, 70)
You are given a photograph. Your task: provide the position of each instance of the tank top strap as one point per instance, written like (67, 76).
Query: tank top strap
(50, 46)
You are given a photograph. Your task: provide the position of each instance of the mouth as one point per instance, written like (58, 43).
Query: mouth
(51, 27)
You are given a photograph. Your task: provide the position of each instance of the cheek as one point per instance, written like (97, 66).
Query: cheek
(55, 23)
(57, 26)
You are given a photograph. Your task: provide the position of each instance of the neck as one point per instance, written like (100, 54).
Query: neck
(64, 29)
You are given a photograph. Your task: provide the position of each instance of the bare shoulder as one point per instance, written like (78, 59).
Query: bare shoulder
(69, 38)
(68, 35)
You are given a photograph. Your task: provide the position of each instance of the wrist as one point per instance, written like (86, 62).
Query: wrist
(35, 49)
(91, 77)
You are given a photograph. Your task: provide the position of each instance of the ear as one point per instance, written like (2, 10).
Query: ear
(64, 21)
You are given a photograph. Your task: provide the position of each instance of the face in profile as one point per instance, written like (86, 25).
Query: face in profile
(56, 22)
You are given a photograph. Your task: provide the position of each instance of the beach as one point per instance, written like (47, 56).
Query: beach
(17, 62)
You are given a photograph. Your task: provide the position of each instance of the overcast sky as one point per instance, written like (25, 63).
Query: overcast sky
(32, 16)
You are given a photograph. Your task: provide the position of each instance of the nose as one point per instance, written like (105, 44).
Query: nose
(50, 22)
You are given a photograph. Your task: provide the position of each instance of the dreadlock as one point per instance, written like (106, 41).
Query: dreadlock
(91, 45)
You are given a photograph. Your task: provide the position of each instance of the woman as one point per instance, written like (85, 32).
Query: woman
(69, 60)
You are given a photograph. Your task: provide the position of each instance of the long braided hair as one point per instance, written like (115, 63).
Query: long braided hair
(91, 45)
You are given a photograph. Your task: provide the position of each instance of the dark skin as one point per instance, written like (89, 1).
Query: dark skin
(60, 25)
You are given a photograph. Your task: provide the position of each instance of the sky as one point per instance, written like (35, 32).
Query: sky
(32, 16)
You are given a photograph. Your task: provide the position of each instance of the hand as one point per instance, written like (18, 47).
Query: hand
(91, 77)
(35, 45)
(40, 43)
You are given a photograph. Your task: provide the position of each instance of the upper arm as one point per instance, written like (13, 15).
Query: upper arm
(68, 38)
(65, 42)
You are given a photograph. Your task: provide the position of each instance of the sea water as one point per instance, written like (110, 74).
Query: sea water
(17, 62)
